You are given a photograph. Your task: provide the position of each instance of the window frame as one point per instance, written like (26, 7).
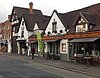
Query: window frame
(63, 47)
(81, 26)
(54, 26)
(22, 34)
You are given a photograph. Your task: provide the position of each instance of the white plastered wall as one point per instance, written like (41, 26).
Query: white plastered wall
(59, 26)
(64, 41)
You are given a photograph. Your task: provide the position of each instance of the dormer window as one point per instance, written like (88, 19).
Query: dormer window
(54, 24)
(81, 26)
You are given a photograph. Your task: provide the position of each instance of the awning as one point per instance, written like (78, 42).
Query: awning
(21, 40)
(32, 41)
(50, 40)
(84, 40)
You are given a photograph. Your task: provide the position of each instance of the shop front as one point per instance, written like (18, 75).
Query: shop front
(21, 47)
(52, 49)
(84, 47)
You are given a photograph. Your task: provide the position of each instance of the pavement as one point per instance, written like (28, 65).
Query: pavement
(92, 70)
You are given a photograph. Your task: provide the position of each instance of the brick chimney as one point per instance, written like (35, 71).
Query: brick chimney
(31, 8)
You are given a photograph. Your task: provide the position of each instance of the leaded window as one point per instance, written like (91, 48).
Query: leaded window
(54, 24)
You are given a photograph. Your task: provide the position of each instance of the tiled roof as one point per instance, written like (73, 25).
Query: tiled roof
(31, 19)
(68, 18)
(20, 10)
(91, 13)
(91, 18)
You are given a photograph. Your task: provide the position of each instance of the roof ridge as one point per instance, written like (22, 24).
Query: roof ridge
(80, 9)
(24, 8)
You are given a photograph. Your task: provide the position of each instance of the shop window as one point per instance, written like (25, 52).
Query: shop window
(63, 47)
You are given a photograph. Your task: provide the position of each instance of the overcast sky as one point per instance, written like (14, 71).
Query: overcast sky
(46, 6)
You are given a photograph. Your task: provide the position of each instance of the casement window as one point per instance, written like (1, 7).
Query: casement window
(82, 26)
(54, 24)
(63, 47)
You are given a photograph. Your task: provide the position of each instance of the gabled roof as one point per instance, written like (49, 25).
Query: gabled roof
(88, 17)
(91, 14)
(66, 18)
(58, 14)
(31, 20)
(20, 10)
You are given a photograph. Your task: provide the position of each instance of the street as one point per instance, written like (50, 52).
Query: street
(17, 68)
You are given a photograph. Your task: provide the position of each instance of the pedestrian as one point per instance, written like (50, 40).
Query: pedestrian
(33, 52)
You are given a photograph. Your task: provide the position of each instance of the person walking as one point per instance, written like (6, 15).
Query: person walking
(33, 52)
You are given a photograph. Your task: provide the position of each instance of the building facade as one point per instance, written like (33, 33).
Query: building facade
(1, 28)
(6, 35)
(17, 20)
(75, 32)
(27, 23)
